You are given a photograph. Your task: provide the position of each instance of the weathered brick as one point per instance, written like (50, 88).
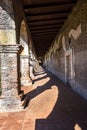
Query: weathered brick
(9, 78)
(75, 29)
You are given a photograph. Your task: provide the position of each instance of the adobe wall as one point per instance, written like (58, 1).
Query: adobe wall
(67, 57)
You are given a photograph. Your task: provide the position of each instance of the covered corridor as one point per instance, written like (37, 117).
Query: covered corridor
(51, 106)
(43, 64)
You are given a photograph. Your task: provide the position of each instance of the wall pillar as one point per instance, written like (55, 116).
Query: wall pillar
(31, 65)
(36, 66)
(25, 76)
(31, 70)
(9, 100)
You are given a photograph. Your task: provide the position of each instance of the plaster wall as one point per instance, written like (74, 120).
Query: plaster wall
(67, 57)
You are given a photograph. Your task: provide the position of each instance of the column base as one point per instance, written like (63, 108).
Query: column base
(9, 104)
(25, 82)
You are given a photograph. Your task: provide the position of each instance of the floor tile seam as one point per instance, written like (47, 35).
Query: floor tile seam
(23, 121)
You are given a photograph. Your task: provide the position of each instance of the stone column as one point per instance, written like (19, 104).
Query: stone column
(37, 67)
(25, 76)
(31, 70)
(9, 100)
(31, 65)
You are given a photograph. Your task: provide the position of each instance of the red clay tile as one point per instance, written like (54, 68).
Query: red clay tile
(52, 106)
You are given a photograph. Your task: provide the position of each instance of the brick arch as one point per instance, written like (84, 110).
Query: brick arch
(24, 57)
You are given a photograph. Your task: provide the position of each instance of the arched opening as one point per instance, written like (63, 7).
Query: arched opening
(0, 79)
(24, 57)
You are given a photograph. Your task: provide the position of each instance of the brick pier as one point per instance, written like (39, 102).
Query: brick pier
(9, 99)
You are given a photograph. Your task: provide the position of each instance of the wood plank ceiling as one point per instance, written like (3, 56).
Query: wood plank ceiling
(45, 18)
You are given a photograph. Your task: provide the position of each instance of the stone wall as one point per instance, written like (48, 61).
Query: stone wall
(19, 17)
(67, 57)
(0, 75)
(9, 59)
(7, 24)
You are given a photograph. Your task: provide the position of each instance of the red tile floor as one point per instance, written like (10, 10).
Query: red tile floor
(51, 106)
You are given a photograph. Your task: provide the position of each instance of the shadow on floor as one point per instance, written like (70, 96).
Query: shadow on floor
(37, 91)
(69, 112)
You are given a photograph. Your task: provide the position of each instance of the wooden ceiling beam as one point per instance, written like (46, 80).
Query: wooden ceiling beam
(44, 36)
(44, 33)
(45, 26)
(42, 39)
(45, 30)
(30, 3)
(48, 13)
(46, 22)
(48, 16)
(45, 18)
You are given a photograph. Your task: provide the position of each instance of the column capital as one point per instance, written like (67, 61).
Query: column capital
(11, 48)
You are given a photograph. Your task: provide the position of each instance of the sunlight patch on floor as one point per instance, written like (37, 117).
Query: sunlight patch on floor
(77, 127)
(42, 81)
(43, 104)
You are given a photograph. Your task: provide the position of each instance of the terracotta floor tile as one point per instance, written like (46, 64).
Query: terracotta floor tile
(11, 127)
(28, 122)
(52, 106)
(28, 128)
